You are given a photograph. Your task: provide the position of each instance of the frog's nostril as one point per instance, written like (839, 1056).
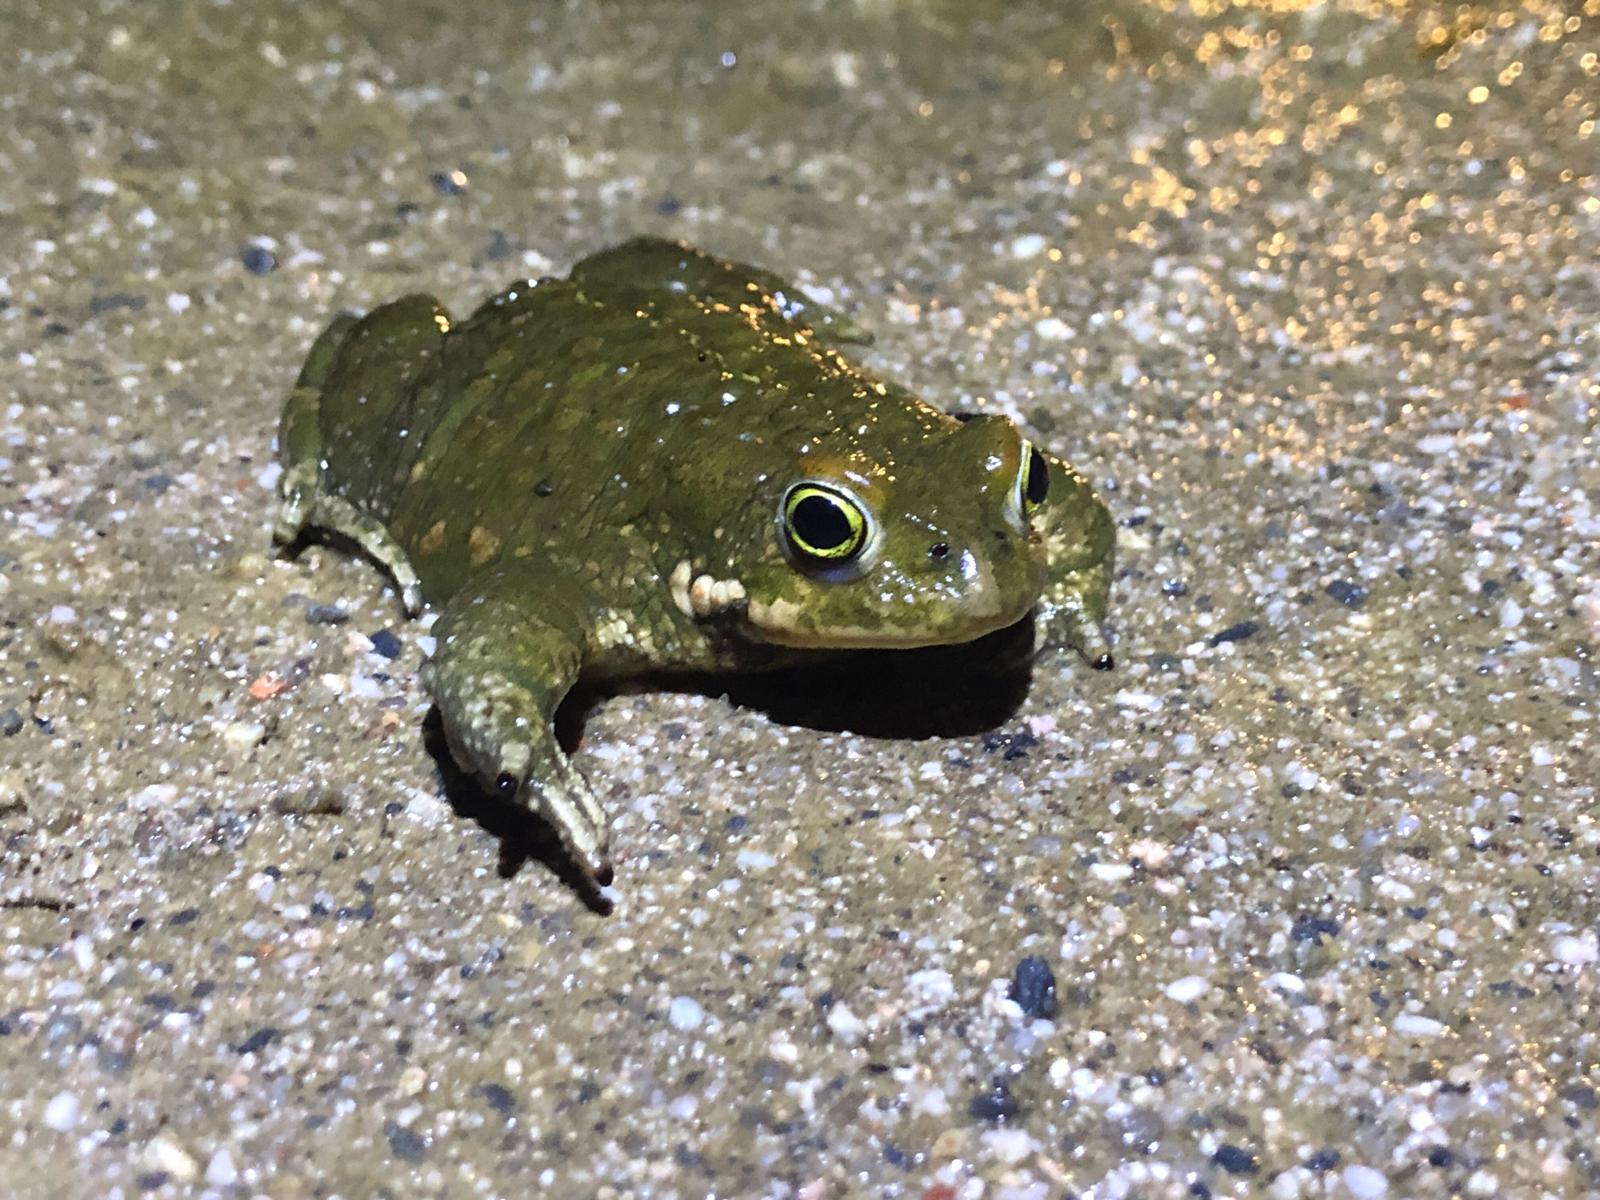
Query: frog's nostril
(939, 551)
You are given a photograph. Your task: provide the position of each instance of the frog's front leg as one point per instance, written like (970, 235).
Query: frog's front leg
(509, 648)
(1080, 539)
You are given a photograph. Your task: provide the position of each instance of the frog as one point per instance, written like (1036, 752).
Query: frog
(664, 461)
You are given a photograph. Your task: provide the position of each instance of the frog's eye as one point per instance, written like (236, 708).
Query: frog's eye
(822, 524)
(1033, 484)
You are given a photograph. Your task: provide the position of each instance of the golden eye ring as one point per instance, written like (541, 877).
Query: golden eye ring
(1033, 481)
(823, 525)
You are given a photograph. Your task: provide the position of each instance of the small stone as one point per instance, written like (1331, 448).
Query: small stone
(995, 1105)
(685, 1013)
(243, 735)
(1314, 929)
(1365, 1183)
(1234, 1160)
(220, 1171)
(258, 260)
(1351, 595)
(403, 1143)
(163, 1154)
(385, 643)
(1188, 989)
(260, 1040)
(1235, 633)
(326, 614)
(846, 1026)
(1033, 987)
(11, 722)
(61, 1114)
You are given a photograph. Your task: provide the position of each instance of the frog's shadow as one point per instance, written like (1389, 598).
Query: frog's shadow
(938, 691)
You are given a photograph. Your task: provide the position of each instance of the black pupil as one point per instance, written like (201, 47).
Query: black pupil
(820, 523)
(1037, 485)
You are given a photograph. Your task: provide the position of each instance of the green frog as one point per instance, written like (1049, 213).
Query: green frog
(663, 462)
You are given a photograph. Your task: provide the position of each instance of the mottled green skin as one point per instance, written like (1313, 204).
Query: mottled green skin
(586, 476)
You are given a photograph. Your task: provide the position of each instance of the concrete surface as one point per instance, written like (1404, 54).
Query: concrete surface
(1312, 289)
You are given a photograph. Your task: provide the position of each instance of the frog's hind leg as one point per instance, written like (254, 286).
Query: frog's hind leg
(305, 502)
(652, 262)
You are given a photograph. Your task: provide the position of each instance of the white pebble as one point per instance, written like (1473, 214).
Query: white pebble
(63, 614)
(1418, 1026)
(1365, 1183)
(61, 1114)
(1052, 329)
(1188, 989)
(1579, 951)
(754, 860)
(1510, 614)
(846, 1026)
(168, 1156)
(1029, 245)
(685, 1013)
(220, 1171)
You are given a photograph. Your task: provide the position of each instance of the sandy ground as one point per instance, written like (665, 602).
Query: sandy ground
(1314, 872)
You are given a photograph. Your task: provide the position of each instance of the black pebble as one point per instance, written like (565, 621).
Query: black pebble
(385, 643)
(1235, 1161)
(995, 1105)
(1175, 587)
(1033, 987)
(11, 722)
(259, 1040)
(405, 1144)
(668, 206)
(502, 1101)
(1323, 1160)
(446, 183)
(1351, 595)
(1314, 929)
(1235, 633)
(258, 260)
(326, 614)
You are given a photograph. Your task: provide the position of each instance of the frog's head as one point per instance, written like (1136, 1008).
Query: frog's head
(923, 539)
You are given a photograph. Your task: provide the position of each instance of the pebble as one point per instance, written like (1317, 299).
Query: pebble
(61, 1114)
(995, 1104)
(11, 722)
(220, 1171)
(1033, 987)
(1234, 1160)
(1029, 245)
(258, 260)
(846, 1026)
(163, 1154)
(1188, 989)
(385, 643)
(326, 614)
(1351, 595)
(1365, 1183)
(685, 1013)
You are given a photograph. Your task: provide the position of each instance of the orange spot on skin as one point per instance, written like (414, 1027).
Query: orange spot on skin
(433, 539)
(481, 545)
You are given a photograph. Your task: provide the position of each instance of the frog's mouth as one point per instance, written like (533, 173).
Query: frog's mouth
(783, 623)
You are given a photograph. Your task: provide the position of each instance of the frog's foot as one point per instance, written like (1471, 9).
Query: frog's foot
(1071, 614)
(498, 675)
(366, 531)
